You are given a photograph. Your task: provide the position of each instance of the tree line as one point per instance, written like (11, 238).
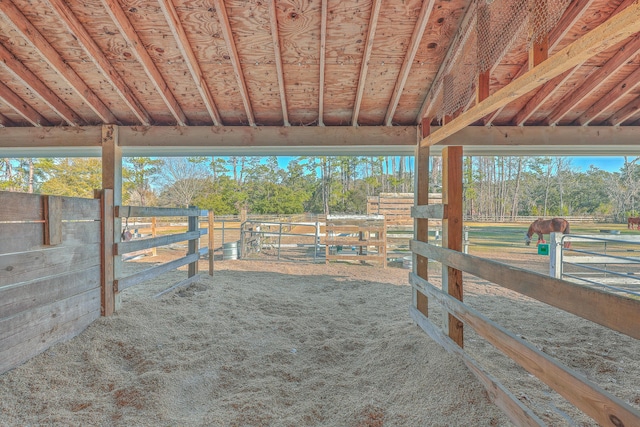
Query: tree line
(495, 187)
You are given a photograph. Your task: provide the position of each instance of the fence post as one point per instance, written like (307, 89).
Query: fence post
(107, 294)
(241, 251)
(279, 241)
(316, 244)
(193, 244)
(555, 255)
(154, 233)
(210, 218)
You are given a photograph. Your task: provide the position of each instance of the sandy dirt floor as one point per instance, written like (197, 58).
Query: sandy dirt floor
(284, 344)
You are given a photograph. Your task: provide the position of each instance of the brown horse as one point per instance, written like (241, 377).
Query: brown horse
(545, 226)
(631, 220)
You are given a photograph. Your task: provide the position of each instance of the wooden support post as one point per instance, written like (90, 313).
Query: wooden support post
(112, 180)
(154, 233)
(210, 219)
(452, 231)
(539, 51)
(193, 244)
(52, 220)
(421, 264)
(107, 296)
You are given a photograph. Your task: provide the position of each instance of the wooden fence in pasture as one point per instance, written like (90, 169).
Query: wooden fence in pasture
(191, 235)
(621, 314)
(356, 238)
(50, 272)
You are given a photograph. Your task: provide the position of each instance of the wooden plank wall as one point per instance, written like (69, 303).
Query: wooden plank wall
(396, 207)
(48, 292)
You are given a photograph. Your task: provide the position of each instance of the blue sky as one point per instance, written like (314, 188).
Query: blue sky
(582, 163)
(609, 164)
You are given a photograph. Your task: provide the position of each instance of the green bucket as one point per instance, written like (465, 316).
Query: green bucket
(543, 249)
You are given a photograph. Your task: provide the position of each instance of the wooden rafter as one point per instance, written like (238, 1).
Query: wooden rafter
(612, 66)
(542, 96)
(455, 49)
(631, 82)
(94, 52)
(364, 65)
(414, 44)
(19, 106)
(235, 60)
(27, 30)
(625, 113)
(323, 47)
(275, 35)
(30, 80)
(171, 15)
(133, 41)
(5, 122)
(611, 32)
(571, 16)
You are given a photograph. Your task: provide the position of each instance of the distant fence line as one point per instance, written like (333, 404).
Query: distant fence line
(531, 218)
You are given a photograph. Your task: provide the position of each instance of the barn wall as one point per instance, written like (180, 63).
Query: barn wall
(49, 272)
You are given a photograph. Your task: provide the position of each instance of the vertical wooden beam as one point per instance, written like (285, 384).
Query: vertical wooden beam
(52, 220)
(211, 243)
(452, 230)
(107, 297)
(192, 222)
(112, 180)
(539, 50)
(482, 87)
(421, 264)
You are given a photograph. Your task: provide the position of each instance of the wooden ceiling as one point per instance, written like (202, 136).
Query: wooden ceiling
(288, 63)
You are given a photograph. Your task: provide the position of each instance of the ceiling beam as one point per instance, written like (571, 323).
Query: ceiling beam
(630, 83)
(216, 140)
(99, 59)
(275, 34)
(366, 56)
(414, 44)
(133, 41)
(30, 33)
(601, 38)
(512, 139)
(455, 49)
(235, 60)
(323, 47)
(85, 141)
(19, 106)
(570, 17)
(184, 45)
(20, 72)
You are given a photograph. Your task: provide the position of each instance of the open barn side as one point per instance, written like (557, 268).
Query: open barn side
(49, 272)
